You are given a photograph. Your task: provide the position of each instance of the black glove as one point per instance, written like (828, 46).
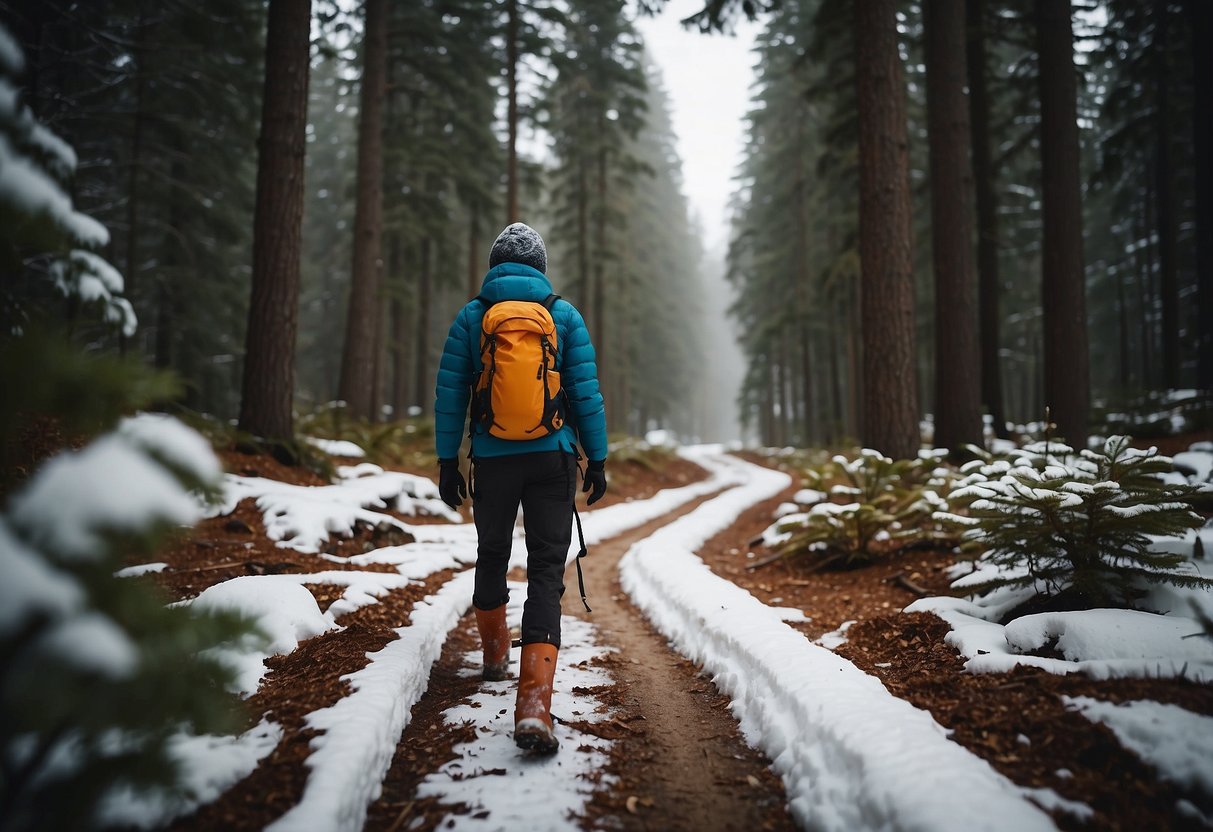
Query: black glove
(594, 480)
(451, 486)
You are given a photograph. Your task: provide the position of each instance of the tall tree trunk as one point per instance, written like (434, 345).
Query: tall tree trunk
(598, 309)
(1145, 304)
(269, 359)
(398, 328)
(1122, 332)
(957, 358)
(475, 267)
(423, 392)
(132, 199)
(1063, 294)
(1201, 17)
(511, 71)
(1164, 173)
(988, 291)
(890, 386)
(583, 220)
(358, 357)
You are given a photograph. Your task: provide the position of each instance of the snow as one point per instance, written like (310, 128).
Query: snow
(24, 185)
(305, 517)
(209, 765)
(286, 612)
(141, 569)
(850, 754)
(1102, 643)
(808, 496)
(178, 446)
(31, 586)
(360, 732)
(1198, 462)
(92, 642)
(336, 447)
(1173, 740)
(11, 59)
(476, 778)
(78, 498)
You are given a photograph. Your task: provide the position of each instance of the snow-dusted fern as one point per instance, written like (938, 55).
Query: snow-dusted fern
(1080, 524)
(876, 507)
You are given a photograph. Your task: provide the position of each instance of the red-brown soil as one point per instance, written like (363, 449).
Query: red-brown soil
(1016, 721)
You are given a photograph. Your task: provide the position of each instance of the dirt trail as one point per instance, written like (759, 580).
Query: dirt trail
(685, 763)
(678, 762)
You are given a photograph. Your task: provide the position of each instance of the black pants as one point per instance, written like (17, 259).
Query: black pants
(544, 484)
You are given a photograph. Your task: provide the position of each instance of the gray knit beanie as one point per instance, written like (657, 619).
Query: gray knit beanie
(519, 243)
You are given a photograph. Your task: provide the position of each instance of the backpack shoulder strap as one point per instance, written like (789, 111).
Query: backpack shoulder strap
(487, 303)
(550, 301)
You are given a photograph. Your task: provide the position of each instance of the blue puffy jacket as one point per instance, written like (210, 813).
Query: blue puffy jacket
(586, 419)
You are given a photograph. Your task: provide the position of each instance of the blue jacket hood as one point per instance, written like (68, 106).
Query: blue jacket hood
(515, 281)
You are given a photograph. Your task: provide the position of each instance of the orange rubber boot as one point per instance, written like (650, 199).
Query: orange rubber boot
(532, 715)
(495, 639)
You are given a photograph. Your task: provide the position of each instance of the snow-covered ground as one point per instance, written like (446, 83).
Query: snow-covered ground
(851, 755)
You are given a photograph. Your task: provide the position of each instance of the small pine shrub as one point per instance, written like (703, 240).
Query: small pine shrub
(1080, 524)
(97, 672)
(888, 507)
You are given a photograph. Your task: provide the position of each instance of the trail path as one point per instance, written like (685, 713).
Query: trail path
(645, 742)
(650, 735)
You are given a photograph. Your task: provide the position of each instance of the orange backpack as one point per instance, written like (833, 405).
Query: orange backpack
(517, 394)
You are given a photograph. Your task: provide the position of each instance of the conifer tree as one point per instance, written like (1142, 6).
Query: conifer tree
(269, 367)
(890, 390)
(957, 364)
(357, 387)
(1063, 293)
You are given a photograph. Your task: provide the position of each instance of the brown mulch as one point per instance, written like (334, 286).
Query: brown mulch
(1016, 721)
(297, 684)
(428, 742)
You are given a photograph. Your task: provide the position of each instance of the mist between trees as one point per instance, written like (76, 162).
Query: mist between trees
(955, 208)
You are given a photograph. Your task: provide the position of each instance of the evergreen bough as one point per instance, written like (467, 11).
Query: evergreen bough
(888, 508)
(1075, 524)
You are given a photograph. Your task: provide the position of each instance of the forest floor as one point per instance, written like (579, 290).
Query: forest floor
(674, 757)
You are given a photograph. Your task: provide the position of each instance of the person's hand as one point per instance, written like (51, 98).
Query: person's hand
(594, 480)
(451, 486)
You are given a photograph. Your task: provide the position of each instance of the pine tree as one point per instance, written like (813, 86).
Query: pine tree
(890, 391)
(1076, 526)
(957, 357)
(357, 386)
(269, 367)
(1063, 293)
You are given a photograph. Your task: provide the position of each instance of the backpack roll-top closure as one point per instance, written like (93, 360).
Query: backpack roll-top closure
(517, 394)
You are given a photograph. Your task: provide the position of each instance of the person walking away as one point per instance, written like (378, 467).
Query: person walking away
(522, 358)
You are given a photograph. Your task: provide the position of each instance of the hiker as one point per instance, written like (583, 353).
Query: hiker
(522, 358)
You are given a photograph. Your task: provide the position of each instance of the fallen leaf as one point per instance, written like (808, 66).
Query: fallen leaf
(632, 802)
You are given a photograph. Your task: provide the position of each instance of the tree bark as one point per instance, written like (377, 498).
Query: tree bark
(598, 309)
(269, 361)
(1164, 211)
(475, 267)
(423, 392)
(1201, 17)
(511, 69)
(358, 356)
(130, 279)
(397, 328)
(1063, 292)
(957, 357)
(988, 290)
(890, 387)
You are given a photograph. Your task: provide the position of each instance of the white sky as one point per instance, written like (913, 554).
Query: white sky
(708, 79)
